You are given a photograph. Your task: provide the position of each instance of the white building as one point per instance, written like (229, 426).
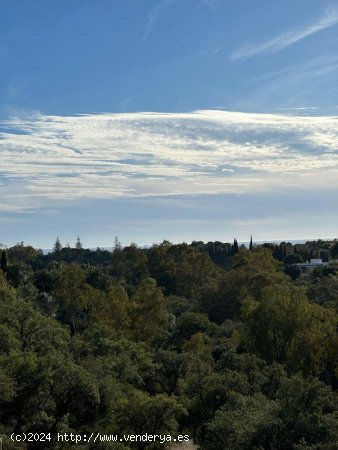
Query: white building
(312, 264)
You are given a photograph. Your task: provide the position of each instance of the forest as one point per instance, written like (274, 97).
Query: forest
(235, 347)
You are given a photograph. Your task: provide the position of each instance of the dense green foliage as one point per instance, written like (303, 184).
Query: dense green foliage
(209, 340)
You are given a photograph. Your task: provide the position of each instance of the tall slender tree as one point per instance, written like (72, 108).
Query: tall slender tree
(117, 244)
(78, 244)
(57, 246)
(234, 247)
(250, 246)
(4, 261)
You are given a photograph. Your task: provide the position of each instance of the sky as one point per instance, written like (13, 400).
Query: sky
(168, 119)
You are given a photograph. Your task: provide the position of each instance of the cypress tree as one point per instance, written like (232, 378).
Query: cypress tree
(250, 246)
(234, 249)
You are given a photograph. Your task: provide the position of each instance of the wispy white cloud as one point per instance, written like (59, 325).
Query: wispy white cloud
(50, 159)
(293, 87)
(211, 4)
(288, 38)
(154, 15)
(15, 89)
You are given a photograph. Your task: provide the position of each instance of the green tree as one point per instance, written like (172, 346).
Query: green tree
(273, 322)
(48, 390)
(244, 423)
(293, 258)
(3, 263)
(308, 411)
(234, 248)
(283, 326)
(252, 271)
(129, 266)
(23, 254)
(57, 246)
(190, 323)
(75, 297)
(158, 414)
(78, 244)
(117, 245)
(111, 308)
(334, 250)
(183, 270)
(148, 312)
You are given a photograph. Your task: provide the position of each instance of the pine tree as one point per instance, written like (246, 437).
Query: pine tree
(57, 246)
(250, 246)
(78, 244)
(4, 261)
(117, 244)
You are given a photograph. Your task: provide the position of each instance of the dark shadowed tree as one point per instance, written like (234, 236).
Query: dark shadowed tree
(334, 250)
(117, 245)
(234, 249)
(78, 244)
(57, 246)
(4, 261)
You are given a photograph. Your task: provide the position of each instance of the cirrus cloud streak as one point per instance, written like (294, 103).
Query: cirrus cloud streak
(287, 38)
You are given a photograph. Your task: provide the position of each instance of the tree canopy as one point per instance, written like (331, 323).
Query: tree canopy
(214, 341)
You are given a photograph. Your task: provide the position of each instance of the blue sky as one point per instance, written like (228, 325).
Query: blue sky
(240, 138)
